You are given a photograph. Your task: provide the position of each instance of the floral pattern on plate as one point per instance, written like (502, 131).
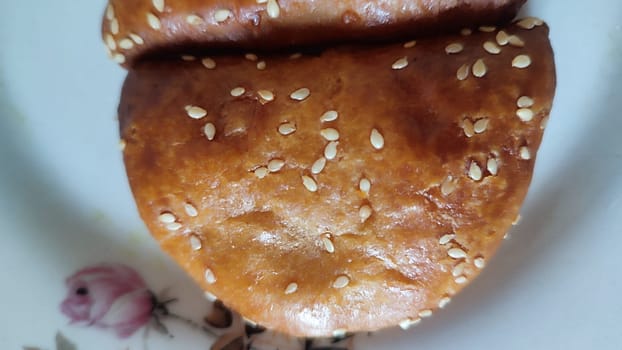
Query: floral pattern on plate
(115, 298)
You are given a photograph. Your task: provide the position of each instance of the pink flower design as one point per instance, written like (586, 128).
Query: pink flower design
(110, 296)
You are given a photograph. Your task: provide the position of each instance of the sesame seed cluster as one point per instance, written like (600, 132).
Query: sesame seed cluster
(133, 29)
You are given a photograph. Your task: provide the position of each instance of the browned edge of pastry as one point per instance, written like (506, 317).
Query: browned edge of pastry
(135, 29)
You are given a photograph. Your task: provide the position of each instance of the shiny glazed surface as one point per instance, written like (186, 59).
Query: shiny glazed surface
(247, 24)
(259, 235)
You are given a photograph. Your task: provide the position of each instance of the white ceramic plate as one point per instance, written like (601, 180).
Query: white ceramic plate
(65, 203)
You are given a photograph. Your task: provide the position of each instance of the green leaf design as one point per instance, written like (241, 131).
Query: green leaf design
(62, 343)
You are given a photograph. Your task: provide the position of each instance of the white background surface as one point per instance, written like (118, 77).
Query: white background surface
(65, 203)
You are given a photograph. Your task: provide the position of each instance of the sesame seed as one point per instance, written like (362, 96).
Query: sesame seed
(251, 57)
(479, 262)
(524, 102)
(544, 122)
(114, 26)
(209, 276)
(330, 134)
(109, 12)
(300, 94)
(339, 333)
(524, 114)
(110, 43)
(376, 139)
(454, 48)
(238, 91)
(502, 38)
(461, 280)
(295, 56)
(222, 15)
(487, 29)
(524, 153)
(516, 41)
(329, 116)
(126, 44)
(425, 313)
(410, 44)
(166, 218)
(456, 253)
(330, 151)
(122, 145)
(409, 322)
(261, 65)
(261, 172)
(521, 61)
(195, 242)
(262, 1)
(119, 58)
(153, 21)
(443, 302)
(250, 322)
(158, 5)
(458, 270)
(492, 166)
(466, 31)
(448, 186)
(475, 172)
(529, 22)
(137, 39)
(446, 238)
(479, 68)
(209, 130)
(328, 244)
(318, 166)
(341, 282)
(463, 71)
(492, 48)
(275, 165)
(273, 9)
(467, 126)
(287, 128)
(195, 112)
(481, 125)
(365, 212)
(208, 63)
(291, 288)
(309, 183)
(173, 226)
(191, 210)
(265, 95)
(188, 58)
(194, 20)
(365, 185)
(400, 63)
(210, 297)
(516, 221)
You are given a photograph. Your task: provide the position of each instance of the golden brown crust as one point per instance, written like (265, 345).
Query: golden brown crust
(252, 237)
(133, 28)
